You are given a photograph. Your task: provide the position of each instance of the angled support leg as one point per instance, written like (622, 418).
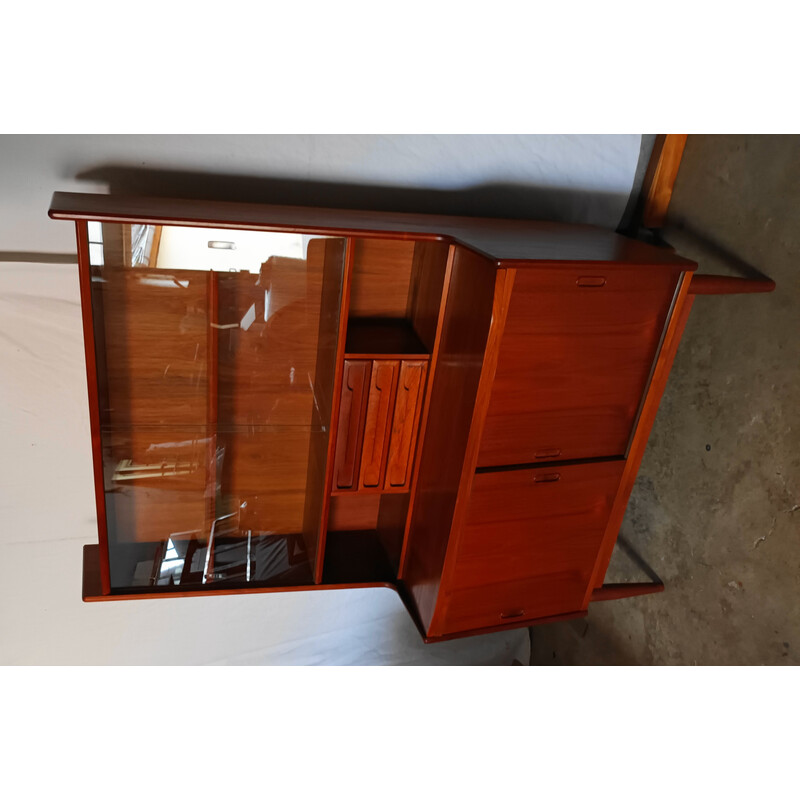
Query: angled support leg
(618, 591)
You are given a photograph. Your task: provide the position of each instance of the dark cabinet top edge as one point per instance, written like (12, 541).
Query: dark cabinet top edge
(510, 243)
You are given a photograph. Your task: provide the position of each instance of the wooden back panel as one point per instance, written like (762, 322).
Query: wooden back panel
(575, 360)
(326, 258)
(267, 350)
(153, 406)
(425, 293)
(156, 339)
(465, 328)
(268, 328)
(381, 278)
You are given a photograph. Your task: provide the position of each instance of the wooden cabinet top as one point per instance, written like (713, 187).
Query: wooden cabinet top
(506, 242)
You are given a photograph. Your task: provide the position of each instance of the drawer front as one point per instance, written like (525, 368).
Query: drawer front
(379, 417)
(529, 543)
(405, 423)
(355, 389)
(575, 359)
(383, 385)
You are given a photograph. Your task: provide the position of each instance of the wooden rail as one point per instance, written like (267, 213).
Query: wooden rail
(724, 284)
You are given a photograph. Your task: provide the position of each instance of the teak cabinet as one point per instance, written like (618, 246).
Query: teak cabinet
(288, 398)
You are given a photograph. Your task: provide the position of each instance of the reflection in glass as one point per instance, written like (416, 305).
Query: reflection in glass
(215, 384)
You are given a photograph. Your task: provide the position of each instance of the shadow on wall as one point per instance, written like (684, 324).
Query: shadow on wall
(502, 200)
(499, 200)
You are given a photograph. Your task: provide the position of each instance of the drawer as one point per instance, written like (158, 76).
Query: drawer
(529, 543)
(405, 423)
(355, 390)
(575, 360)
(379, 417)
(382, 388)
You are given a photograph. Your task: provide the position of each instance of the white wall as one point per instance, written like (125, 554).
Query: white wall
(580, 167)
(46, 487)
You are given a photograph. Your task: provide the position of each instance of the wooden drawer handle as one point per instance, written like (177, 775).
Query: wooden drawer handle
(548, 477)
(512, 614)
(552, 453)
(591, 280)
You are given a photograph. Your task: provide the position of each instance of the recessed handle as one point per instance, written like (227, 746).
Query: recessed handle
(553, 452)
(591, 280)
(512, 614)
(548, 477)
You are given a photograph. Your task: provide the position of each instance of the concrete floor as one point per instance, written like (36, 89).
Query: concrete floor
(716, 507)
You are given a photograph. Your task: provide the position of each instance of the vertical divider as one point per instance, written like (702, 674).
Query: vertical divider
(87, 310)
(212, 381)
(504, 285)
(426, 406)
(344, 309)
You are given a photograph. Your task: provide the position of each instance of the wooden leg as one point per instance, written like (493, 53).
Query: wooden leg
(724, 284)
(618, 591)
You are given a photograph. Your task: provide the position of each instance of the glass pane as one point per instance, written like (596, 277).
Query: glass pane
(96, 254)
(215, 384)
(95, 230)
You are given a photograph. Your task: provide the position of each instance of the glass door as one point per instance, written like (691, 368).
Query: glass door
(216, 353)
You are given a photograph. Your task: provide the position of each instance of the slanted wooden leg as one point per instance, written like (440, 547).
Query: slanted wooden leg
(617, 591)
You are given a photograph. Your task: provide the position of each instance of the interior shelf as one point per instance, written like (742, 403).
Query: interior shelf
(369, 337)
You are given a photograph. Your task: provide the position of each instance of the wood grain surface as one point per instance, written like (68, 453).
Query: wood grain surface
(574, 363)
(464, 332)
(352, 411)
(529, 544)
(405, 423)
(382, 390)
(509, 243)
(666, 356)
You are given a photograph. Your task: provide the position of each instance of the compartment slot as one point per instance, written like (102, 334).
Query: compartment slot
(369, 337)
(365, 537)
(354, 512)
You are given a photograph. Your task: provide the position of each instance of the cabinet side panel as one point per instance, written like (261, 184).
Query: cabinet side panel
(94, 388)
(465, 328)
(669, 347)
